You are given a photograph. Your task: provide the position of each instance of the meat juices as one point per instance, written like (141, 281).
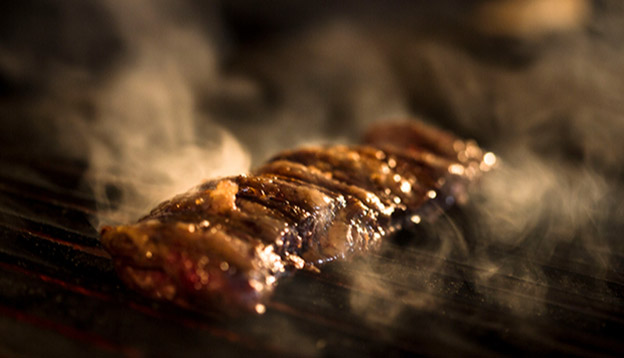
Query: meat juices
(224, 244)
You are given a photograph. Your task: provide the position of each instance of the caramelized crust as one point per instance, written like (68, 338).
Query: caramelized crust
(225, 243)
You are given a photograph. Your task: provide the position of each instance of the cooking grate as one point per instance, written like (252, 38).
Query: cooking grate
(59, 295)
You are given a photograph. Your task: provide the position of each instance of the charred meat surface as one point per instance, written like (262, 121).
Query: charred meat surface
(225, 243)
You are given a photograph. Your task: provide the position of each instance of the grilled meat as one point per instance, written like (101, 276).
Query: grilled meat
(224, 244)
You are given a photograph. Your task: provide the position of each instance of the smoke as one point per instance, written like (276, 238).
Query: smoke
(151, 99)
(184, 93)
(156, 130)
(525, 218)
(136, 119)
(149, 141)
(311, 88)
(548, 206)
(553, 202)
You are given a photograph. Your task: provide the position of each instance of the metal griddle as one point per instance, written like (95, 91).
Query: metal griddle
(60, 297)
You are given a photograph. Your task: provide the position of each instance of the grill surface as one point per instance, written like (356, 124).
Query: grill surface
(59, 295)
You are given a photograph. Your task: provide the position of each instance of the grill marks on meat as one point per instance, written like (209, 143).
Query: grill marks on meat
(225, 243)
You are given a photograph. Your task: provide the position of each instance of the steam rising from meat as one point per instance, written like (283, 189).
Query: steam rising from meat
(151, 126)
(160, 119)
(148, 131)
(555, 121)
